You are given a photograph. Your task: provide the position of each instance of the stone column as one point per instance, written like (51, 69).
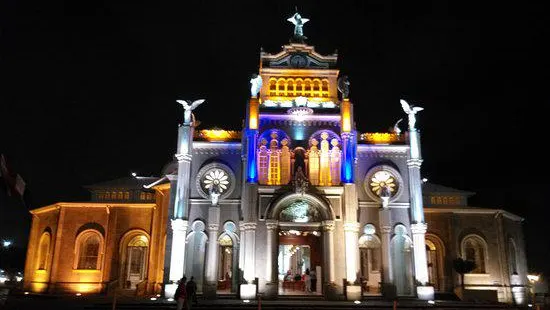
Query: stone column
(351, 232)
(177, 260)
(418, 225)
(328, 247)
(272, 281)
(209, 289)
(248, 291)
(387, 271)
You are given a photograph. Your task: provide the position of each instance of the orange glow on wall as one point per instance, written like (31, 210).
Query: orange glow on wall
(253, 113)
(346, 115)
(219, 134)
(380, 137)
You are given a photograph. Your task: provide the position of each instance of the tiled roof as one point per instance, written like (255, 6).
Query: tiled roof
(430, 188)
(124, 183)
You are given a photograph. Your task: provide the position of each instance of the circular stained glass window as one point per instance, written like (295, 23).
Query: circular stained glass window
(215, 178)
(383, 181)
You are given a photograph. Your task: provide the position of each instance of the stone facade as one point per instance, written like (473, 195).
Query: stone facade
(301, 188)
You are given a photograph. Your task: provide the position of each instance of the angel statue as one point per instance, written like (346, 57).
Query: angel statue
(298, 22)
(343, 86)
(189, 106)
(256, 85)
(411, 112)
(214, 192)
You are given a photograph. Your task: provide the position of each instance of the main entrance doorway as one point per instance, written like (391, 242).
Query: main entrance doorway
(299, 262)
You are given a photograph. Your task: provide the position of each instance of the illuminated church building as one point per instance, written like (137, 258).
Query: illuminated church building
(297, 189)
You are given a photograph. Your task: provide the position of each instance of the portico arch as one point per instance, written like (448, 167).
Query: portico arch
(273, 211)
(299, 228)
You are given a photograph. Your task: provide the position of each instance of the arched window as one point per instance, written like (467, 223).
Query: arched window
(195, 253)
(227, 263)
(44, 251)
(512, 257)
(474, 249)
(272, 87)
(89, 249)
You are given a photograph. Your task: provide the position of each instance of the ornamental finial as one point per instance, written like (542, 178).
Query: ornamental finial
(298, 22)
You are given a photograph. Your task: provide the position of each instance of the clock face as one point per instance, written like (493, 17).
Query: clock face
(298, 61)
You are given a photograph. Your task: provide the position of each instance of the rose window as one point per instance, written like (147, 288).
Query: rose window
(383, 179)
(216, 178)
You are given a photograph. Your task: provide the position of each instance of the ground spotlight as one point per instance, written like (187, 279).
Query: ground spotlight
(78, 294)
(153, 298)
(431, 302)
(170, 299)
(357, 302)
(246, 300)
(26, 293)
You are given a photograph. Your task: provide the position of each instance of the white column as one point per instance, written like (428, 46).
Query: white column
(250, 252)
(386, 254)
(328, 238)
(419, 247)
(177, 258)
(271, 247)
(212, 254)
(351, 231)
(242, 244)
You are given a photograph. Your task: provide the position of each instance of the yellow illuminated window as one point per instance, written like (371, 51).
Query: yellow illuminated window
(126, 195)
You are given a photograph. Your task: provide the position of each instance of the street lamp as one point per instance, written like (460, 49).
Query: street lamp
(6, 243)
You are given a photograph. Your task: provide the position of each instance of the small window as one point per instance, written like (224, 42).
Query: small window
(44, 251)
(474, 249)
(88, 250)
(126, 195)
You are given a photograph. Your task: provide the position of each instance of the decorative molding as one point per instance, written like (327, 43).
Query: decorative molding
(385, 229)
(206, 201)
(469, 210)
(373, 150)
(351, 227)
(414, 163)
(328, 225)
(375, 204)
(179, 225)
(271, 224)
(419, 228)
(213, 227)
(184, 158)
(216, 148)
(248, 225)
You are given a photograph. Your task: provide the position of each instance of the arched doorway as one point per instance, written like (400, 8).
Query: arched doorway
(134, 259)
(435, 253)
(228, 243)
(297, 244)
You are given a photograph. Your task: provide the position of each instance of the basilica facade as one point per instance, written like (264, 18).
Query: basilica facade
(298, 202)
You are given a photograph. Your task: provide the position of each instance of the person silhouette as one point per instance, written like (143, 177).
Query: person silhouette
(191, 288)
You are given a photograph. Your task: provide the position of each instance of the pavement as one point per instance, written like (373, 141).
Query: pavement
(21, 301)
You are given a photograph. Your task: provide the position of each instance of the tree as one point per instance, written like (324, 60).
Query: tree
(462, 267)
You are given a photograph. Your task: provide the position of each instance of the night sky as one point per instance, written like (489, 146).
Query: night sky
(88, 89)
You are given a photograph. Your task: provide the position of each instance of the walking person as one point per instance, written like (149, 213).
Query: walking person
(191, 288)
(307, 281)
(181, 295)
(313, 276)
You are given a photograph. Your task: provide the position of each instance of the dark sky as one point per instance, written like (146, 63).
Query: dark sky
(88, 88)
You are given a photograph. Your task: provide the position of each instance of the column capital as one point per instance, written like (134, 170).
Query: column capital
(179, 225)
(352, 227)
(385, 229)
(213, 227)
(328, 225)
(414, 163)
(247, 225)
(186, 158)
(271, 224)
(419, 228)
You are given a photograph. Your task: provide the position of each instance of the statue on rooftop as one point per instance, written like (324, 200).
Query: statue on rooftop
(298, 22)
(411, 112)
(189, 106)
(255, 85)
(343, 86)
